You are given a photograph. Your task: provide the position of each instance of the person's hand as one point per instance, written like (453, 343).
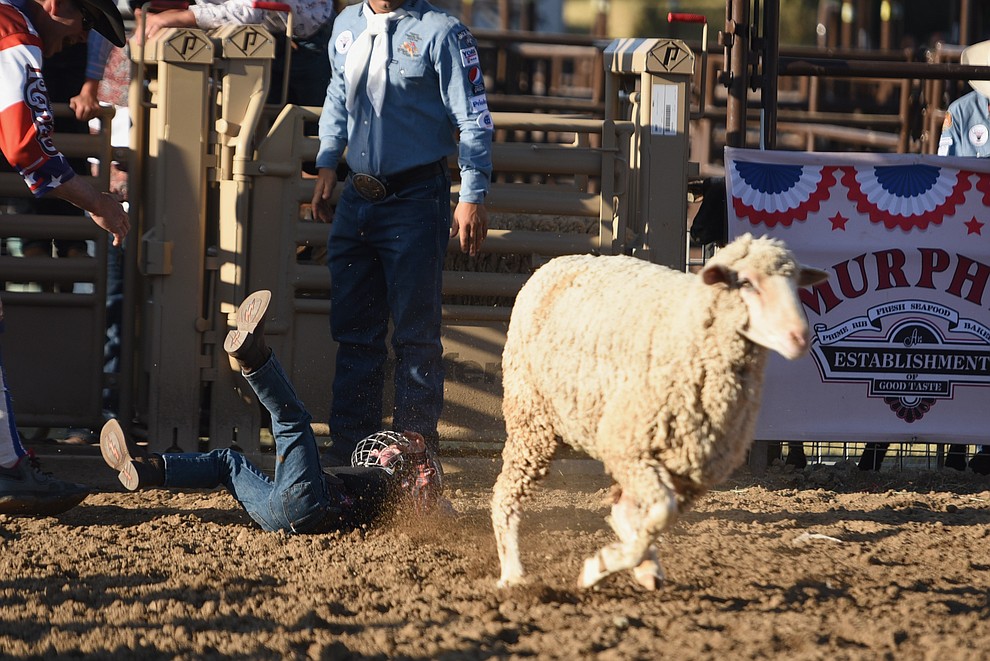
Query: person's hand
(110, 215)
(170, 18)
(326, 180)
(104, 208)
(470, 222)
(85, 104)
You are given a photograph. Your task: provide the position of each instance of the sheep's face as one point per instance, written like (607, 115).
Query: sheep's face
(768, 288)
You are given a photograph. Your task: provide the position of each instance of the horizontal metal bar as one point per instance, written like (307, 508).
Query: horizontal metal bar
(509, 37)
(321, 306)
(455, 283)
(468, 283)
(548, 243)
(546, 159)
(545, 122)
(476, 313)
(40, 269)
(313, 277)
(32, 226)
(541, 199)
(13, 299)
(844, 133)
(524, 102)
(499, 241)
(791, 66)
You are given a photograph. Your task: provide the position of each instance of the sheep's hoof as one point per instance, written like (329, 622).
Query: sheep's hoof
(510, 581)
(592, 573)
(649, 575)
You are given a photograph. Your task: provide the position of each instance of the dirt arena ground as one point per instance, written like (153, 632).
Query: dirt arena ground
(825, 563)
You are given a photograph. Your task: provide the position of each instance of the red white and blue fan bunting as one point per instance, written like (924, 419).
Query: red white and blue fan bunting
(906, 196)
(772, 193)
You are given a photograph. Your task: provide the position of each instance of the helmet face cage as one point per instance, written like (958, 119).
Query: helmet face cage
(380, 450)
(405, 455)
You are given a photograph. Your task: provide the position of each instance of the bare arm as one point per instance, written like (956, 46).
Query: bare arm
(104, 207)
(172, 18)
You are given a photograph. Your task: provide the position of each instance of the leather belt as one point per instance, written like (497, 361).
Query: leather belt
(375, 189)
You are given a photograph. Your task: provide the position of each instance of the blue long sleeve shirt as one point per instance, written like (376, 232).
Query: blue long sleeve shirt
(966, 129)
(97, 51)
(435, 90)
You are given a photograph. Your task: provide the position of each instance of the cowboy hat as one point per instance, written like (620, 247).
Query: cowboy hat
(978, 55)
(106, 19)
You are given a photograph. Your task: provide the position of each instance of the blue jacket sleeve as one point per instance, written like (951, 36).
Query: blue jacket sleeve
(333, 119)
(97, 53)
(463, 91)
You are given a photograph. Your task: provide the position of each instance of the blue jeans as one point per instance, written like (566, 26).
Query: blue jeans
(298, 499)
(386, 259)
(115, 308)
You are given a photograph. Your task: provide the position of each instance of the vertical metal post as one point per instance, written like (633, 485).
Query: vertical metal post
(660, 108)
(172, 243)
(600, 27)
(965, 15)
(770, 47)
(735, 39)
(244, 72)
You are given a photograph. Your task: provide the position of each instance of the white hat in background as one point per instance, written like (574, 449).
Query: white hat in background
(978, 55)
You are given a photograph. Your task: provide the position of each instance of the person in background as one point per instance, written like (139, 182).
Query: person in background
(302, 497)
(406, 83)
(106, 83)
(64, 74)
(312, 23)
(31, 30)
(966, 132)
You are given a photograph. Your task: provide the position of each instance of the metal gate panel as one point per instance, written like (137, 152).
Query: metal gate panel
(172, 231)
(53, 342)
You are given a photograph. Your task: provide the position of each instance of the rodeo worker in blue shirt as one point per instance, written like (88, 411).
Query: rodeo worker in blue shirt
(406, 84)
(966, 132)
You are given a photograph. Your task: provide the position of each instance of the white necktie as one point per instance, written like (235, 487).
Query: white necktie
(371, 53)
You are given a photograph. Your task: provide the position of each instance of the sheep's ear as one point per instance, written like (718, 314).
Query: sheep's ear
(808, 276)
(715, 274)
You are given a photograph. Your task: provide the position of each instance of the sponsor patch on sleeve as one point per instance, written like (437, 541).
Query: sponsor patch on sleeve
(485, 121)
(947, 122)
(344, 41)
(469, 56)
(479, 103)
(476, 78)
(944, 145)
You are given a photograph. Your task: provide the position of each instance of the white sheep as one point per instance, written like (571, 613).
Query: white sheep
(656, 373)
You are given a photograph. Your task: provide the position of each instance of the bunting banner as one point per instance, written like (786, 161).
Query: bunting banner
(901, 330)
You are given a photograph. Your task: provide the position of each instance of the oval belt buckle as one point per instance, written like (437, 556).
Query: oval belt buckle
(368, 187)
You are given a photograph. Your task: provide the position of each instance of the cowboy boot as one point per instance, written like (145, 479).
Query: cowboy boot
(246, 344)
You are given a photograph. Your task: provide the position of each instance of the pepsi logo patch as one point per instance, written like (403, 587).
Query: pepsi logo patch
(475, 76)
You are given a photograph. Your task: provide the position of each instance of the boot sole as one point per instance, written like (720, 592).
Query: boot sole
(113, 447)
(250, 313)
